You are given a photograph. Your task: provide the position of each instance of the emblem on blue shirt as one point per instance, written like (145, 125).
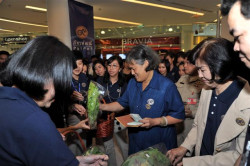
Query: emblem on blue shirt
(150, 101)
(83, 85)
(148, 106)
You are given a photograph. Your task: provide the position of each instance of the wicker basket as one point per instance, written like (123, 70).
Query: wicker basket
(105, 128)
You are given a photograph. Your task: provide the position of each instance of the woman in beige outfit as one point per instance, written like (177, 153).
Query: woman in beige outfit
(220, 124)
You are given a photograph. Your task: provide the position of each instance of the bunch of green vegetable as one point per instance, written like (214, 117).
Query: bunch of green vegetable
(93, 150)
(149, 157)
(93, 104)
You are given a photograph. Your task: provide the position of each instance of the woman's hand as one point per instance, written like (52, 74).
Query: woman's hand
(77, 96)
(176, 155)
(147, 122)
(188, 112)
(80, 109)
(82, 124)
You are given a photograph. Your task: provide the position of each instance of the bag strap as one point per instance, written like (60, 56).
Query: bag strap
(79, 137)
(111, 116)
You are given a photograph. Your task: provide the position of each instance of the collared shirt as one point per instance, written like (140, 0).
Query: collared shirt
(174, 74)
(28, 136)
(82, 84)
(218, 107)
(159, 98)
(114, 92)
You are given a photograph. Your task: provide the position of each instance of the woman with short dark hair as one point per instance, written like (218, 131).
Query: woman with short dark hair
(115, 84)
(99, 69)
(220, 124)
(40, 72)
(152, 96)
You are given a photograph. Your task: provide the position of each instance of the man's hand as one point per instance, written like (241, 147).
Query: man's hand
(176, 155)
(93, 160)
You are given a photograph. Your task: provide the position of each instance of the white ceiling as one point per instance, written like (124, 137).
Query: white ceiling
(116, 9)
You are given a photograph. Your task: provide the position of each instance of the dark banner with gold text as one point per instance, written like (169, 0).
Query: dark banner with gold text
(82, 28)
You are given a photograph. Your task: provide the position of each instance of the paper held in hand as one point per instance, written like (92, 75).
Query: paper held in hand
(131, 120)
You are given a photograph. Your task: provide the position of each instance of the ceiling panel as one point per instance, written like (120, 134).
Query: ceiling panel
(116, 9)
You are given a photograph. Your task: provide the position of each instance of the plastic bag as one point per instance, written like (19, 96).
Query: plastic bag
(93, 150)
(149, 157)
(95, 93)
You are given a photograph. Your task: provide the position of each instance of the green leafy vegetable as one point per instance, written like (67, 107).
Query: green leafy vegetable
(93, 104)
(93, 150)
(149, 157)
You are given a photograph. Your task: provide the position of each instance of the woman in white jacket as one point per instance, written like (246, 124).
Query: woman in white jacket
(220, 124)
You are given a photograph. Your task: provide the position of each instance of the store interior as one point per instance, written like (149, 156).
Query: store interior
(175, 25)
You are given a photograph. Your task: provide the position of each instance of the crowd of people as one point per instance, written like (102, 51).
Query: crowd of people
(194, 102)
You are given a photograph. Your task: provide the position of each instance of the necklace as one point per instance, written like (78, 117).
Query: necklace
(112, 99)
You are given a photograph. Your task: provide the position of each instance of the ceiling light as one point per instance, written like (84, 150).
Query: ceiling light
(170, 29)
(114, 20)
(25, 23)
(95, 17)
(6, 30)
(165, 7)
(102, 32)
(218, 5)
(36, 8)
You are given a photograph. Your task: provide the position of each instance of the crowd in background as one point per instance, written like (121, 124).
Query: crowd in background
(114, 74)
(195, 103)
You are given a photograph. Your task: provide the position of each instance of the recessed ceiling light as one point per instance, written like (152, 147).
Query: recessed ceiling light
(95, 17)
(115, 20)
(165, 7)
(6, 30)
(25, 23)
(36, 8)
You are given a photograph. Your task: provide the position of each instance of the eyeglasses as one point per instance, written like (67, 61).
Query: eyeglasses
(114, 66)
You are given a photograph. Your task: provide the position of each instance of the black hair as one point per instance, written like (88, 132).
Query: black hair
(96, 62)
(166, 63)
(220, 57)
(77, 55)
(227, 5)
(40, 61)
(171, 54)
(95, 56)
(190, 55)
(5, 52)
(181, 63)
(100, 61)
(85, 61)
(181, 54)
(140, 53)
(178, 55)
(121, 79)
